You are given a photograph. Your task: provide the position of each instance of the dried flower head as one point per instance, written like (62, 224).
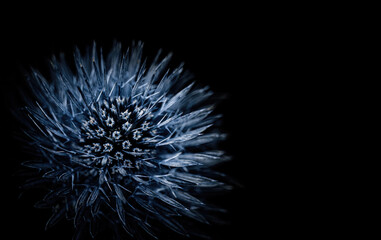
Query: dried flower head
(123, 144)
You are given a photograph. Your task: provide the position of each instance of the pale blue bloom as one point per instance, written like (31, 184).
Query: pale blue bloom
(123, 143)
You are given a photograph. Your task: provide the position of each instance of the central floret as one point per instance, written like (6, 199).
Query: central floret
(118, 132)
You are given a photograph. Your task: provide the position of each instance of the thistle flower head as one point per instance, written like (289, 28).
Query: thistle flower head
(123, 144)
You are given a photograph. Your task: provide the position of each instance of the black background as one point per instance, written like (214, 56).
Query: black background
(221, 45)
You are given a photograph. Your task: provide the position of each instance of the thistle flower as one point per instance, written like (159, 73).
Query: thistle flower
(123, 144)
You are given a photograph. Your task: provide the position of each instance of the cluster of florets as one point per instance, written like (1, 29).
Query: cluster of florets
(119, 134)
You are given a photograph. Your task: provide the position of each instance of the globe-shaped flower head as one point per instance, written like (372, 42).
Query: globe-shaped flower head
(123, 144)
